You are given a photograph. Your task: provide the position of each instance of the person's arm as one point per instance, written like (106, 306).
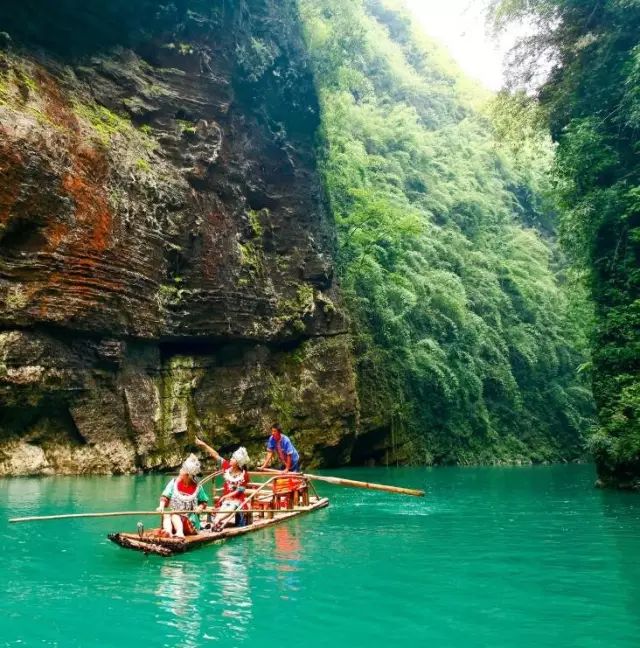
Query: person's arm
(165, 498)
(267, 460)
(234, 493)
(203, 499)
(163, 504)
(208, 449)
(287, 463)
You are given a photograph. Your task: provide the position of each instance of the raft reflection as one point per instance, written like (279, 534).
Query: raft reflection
(287, 549)
(235, 600)
(194, 612)
(179, 592)
(287, 554)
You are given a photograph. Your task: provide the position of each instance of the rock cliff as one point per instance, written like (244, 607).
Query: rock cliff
(165, 249)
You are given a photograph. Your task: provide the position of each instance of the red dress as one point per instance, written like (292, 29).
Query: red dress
(234, 482)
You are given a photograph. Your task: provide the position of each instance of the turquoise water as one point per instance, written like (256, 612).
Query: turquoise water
(492, 557)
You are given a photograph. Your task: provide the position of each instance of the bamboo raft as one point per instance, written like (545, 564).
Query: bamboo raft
(295, 494)
(283, 497)
(152, 542)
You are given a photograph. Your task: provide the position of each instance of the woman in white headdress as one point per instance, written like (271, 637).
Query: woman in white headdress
(236, 480)
(183, 494)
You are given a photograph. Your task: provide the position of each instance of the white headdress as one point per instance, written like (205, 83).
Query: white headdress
(191, 465)
(241, 456)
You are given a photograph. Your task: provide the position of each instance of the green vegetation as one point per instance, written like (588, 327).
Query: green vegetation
(14, 76)
(592, 101)
(171, 294)
(291, 312)
(26, 84)
(105, 122)
(251, 259)
(5, 89)
(17, 298)
(109, 127)
(186, 126)
(19, 90)
(255, 220)
(256, 57)
(465, 338)
(281, 397)
(185, 49)
(143, 165)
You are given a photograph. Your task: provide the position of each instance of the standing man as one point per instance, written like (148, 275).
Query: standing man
(281, 445)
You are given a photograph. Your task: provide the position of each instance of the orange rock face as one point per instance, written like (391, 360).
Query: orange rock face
(161, 217)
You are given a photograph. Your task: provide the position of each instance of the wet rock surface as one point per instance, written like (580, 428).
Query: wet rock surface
(165, 251)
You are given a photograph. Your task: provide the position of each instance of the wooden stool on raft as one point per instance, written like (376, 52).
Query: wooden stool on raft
(289, 492)
(286, 493)
(265, 502)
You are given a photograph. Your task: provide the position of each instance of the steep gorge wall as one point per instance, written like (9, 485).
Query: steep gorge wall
(165, 251)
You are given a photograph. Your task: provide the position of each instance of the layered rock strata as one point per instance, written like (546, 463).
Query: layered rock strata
(165, 251)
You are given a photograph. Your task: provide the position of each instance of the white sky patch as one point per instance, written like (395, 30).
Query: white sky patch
(461, 26)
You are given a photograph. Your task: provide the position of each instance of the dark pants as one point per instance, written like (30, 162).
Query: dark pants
(295, 467)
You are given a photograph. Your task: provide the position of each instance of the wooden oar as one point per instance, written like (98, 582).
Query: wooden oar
(339, 481)
(71, 516)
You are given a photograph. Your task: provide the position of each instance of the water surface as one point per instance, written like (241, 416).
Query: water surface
(491, 557)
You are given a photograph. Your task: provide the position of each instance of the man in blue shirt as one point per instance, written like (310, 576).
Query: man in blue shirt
(281, 445)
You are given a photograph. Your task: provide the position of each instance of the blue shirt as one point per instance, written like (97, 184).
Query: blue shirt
(283, 448)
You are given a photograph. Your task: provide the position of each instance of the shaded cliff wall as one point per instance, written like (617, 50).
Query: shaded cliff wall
(165, 251)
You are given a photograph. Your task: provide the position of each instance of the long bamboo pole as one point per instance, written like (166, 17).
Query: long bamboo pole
(71, 516)
(339, 481)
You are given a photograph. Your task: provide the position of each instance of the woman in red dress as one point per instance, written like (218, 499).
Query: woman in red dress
(236, 480)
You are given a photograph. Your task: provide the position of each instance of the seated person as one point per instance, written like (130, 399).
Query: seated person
(183, 494)
(236, 480)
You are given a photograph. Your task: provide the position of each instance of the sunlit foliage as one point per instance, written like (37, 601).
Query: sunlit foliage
(592, 98)
(465, 340)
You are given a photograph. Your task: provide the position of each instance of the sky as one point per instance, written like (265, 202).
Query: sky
(461, 26)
